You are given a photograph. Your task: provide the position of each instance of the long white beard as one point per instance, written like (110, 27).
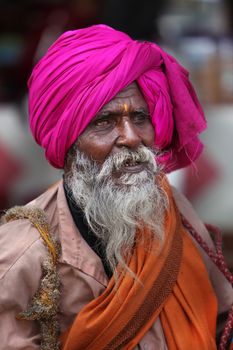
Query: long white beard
(115, 207)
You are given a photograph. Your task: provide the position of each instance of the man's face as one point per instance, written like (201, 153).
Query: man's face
(112, 175)
(124, 122)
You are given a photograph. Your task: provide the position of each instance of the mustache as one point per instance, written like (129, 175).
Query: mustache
(126, 157)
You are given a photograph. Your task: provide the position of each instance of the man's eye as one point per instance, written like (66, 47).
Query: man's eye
(103, 124)
(141, 118)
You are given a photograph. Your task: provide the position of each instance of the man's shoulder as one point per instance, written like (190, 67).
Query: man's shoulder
(47, 198)
(190, 214)
(21, 256)
(221, 286)
(17, 238)
(20, 240)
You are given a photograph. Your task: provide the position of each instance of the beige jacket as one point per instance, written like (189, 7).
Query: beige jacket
(81, 272)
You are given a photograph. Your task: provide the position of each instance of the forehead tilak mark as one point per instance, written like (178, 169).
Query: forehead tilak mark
(125, 108)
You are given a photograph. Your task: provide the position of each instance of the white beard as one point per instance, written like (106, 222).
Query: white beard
(115, 207)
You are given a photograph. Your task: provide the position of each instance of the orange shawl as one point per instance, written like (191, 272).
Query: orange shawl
(173, 284)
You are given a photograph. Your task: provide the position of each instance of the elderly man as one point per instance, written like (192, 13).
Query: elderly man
(111, 257)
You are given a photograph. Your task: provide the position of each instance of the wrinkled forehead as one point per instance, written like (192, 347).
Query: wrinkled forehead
(127, 100)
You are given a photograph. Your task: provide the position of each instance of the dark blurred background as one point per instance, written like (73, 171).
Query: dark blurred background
(199, 33)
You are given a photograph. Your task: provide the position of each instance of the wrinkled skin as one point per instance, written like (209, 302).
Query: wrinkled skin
(123, 122)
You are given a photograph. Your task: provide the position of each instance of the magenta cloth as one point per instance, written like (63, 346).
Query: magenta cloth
(84, 69)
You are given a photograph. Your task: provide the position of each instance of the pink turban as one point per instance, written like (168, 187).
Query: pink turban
(84, 69)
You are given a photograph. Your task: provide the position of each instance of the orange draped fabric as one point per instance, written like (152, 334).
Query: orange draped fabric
(172, 283)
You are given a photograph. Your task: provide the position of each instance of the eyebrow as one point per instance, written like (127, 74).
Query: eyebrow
(112, 113)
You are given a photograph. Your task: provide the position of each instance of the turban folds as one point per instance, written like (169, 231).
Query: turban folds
(84, 69)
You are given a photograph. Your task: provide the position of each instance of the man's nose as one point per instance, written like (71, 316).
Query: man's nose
(128, 135)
